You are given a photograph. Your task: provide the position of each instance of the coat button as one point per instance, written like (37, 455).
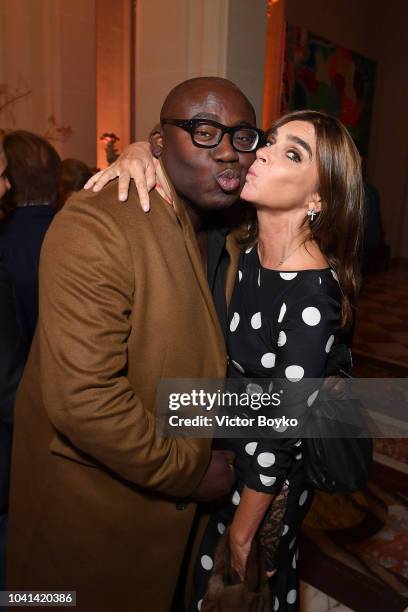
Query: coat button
(182, 504)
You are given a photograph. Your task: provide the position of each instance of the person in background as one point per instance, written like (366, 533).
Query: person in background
(4, 182)
(74, 175)
(11, 367)
(33, 173)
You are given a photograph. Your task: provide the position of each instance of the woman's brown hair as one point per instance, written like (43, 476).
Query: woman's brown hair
(338, 228)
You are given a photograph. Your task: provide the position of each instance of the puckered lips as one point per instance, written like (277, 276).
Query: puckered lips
(229, 179)
(251, 173)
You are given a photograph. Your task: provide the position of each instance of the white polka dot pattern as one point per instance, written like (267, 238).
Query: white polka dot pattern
(207, 562)
(294, 373)
(238, 366)
(256, 320)
(282, 313)
(312, 397)
(266, 459)
(267, 481)
(268, 360)
(280, 428)
(311, 316)
(236, 498)
(250, 448)
(329, 344)
(303, 498)
(234, 322)
(252, 388)
(291, 596)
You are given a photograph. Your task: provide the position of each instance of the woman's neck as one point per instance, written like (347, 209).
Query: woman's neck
(279, 237)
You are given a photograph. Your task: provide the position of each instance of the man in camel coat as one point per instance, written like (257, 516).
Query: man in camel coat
(97, 498)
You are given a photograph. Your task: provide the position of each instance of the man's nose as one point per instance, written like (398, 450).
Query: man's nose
(225, 151)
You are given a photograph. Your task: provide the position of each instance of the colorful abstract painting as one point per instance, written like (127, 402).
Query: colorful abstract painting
(321, 75)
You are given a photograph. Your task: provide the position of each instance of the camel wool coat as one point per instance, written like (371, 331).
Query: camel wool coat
(94, 505)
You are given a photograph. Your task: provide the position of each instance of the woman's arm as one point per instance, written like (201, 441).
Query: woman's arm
(135, 162)
(248, 516)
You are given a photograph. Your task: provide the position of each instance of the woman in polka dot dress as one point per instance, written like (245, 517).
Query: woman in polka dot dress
(296, 282)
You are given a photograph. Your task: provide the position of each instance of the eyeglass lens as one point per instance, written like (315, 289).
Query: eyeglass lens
(243, 139)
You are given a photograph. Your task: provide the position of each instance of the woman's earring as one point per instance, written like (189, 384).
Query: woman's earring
(311, 213)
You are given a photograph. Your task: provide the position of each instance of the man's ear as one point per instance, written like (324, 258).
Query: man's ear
(156, 140)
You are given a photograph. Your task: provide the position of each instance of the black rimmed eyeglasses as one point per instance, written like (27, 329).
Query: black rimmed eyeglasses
(208, 134)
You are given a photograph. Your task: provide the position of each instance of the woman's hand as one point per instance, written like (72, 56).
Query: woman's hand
(239, 551)
(247, 519)
(135, 162)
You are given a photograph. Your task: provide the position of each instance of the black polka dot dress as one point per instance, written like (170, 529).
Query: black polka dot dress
(281, 325)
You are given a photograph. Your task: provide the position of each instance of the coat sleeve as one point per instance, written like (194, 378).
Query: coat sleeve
(86, 300)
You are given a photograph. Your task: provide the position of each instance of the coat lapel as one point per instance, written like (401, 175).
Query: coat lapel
(192, 250)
